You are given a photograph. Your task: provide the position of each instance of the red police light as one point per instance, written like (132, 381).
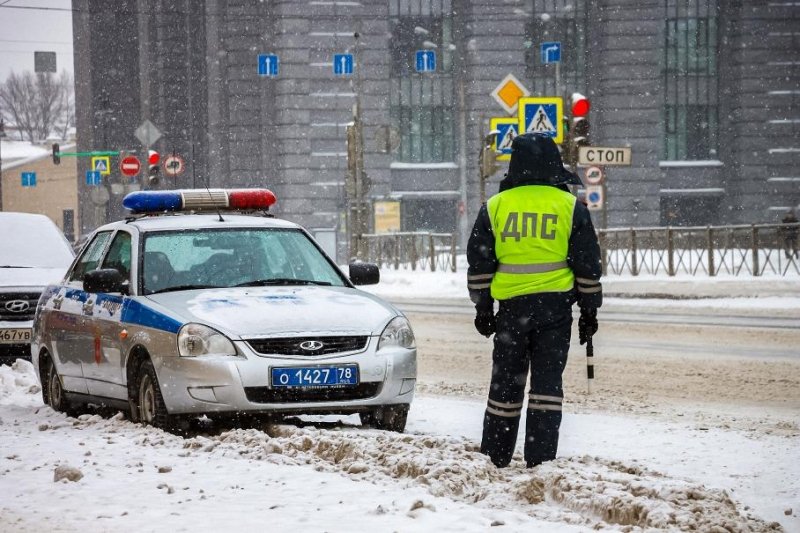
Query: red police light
(580, 105)
(153, 157)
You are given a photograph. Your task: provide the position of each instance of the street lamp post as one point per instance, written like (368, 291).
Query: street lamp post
(2, 136)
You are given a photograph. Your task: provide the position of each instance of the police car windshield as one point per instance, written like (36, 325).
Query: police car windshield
(205, 258)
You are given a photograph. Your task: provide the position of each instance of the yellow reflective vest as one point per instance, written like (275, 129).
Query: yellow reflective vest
(531, 226)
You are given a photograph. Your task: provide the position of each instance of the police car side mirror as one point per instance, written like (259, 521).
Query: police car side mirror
(104, 280)
(364, 273)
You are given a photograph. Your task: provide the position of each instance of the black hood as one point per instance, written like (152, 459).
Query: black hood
(535, 160)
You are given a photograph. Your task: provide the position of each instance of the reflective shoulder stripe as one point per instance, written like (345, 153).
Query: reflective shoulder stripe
(531, 268)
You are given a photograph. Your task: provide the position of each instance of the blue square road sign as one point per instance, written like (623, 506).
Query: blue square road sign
(551, 52)
(93, 177)
(343, 64)
(426, 60)
(28, 179)
(268, 65)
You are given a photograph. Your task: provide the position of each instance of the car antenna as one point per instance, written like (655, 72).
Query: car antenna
(208, 190)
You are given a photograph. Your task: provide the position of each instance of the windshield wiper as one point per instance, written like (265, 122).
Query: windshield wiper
(185, 288)
(14, 266)
(281, 281)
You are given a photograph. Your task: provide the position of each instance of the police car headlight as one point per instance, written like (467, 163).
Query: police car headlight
(397, 333)
(197, 339)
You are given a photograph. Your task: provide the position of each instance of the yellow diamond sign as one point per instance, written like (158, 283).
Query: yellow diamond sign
(508, 92)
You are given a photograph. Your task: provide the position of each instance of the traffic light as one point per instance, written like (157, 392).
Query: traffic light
(56, 154)
(580, 122)
(153, 159)
(578, 134)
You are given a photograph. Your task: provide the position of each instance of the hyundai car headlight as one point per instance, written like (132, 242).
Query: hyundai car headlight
(197, 339)
(397, 333)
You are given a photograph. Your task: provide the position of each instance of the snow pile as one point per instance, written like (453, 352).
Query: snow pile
(618, 493)
(583, 490)
(18, 384)
(426, 476)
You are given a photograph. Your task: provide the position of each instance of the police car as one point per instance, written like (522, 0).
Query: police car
(191, 307)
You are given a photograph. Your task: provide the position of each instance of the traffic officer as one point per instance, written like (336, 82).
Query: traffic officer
(534, 249)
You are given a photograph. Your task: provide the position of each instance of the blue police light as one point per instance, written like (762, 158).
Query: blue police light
(198, 200)
(153, 201)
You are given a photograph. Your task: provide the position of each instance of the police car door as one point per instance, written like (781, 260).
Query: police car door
(104, 371)
(67, 323)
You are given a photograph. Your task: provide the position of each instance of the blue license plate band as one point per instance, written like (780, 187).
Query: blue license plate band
(315, 376)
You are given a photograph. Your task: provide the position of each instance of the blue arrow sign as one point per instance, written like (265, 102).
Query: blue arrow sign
(551, 52)
(426, 60)
(343, 64)
(29, 179)
(268, 65)
(93, 177)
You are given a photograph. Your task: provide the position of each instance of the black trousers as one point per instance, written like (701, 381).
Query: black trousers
(533, 332)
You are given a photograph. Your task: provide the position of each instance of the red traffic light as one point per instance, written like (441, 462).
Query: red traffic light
(580, 105)
(153, 157)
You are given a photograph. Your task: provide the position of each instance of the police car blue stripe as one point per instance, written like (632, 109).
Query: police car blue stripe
(135, 313)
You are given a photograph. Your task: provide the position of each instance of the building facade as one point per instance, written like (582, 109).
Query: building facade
(706, 93)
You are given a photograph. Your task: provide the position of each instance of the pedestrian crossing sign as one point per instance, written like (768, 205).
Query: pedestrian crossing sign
(542, 115)
(102, 164)
(507, 128)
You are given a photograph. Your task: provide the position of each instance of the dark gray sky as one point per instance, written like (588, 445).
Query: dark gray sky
(43, 25)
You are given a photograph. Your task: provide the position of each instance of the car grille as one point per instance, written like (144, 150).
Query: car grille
(313, 345)
(302, 395)
(12, 308)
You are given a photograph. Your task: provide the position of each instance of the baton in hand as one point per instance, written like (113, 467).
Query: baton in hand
(589, 364)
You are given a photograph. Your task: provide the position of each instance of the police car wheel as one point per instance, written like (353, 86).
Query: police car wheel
(56, 397)
(149, 405)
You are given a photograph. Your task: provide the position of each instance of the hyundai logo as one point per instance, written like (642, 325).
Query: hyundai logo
(311, 346)
(17, 306)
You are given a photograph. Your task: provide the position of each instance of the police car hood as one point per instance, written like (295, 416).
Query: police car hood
(273, 311)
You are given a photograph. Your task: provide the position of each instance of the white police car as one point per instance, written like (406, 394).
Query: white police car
(189, 308)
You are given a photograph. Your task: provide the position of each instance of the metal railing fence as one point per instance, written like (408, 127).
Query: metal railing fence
(741, 250)
(745, 250)
(410, 250)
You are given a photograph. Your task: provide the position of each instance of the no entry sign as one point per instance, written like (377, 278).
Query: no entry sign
(130, 166)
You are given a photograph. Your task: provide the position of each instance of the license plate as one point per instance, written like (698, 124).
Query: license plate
(315, 376)
(15, 336)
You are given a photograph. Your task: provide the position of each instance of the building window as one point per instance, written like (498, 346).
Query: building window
(560, 21)
(422, 105)
(691, 106)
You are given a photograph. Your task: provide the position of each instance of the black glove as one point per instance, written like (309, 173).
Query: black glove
(485, 323)
(587, 325)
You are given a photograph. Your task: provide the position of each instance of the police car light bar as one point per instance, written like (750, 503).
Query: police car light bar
(198, 200)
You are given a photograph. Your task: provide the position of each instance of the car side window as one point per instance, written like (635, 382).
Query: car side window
(91, 256)
(119, 254)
